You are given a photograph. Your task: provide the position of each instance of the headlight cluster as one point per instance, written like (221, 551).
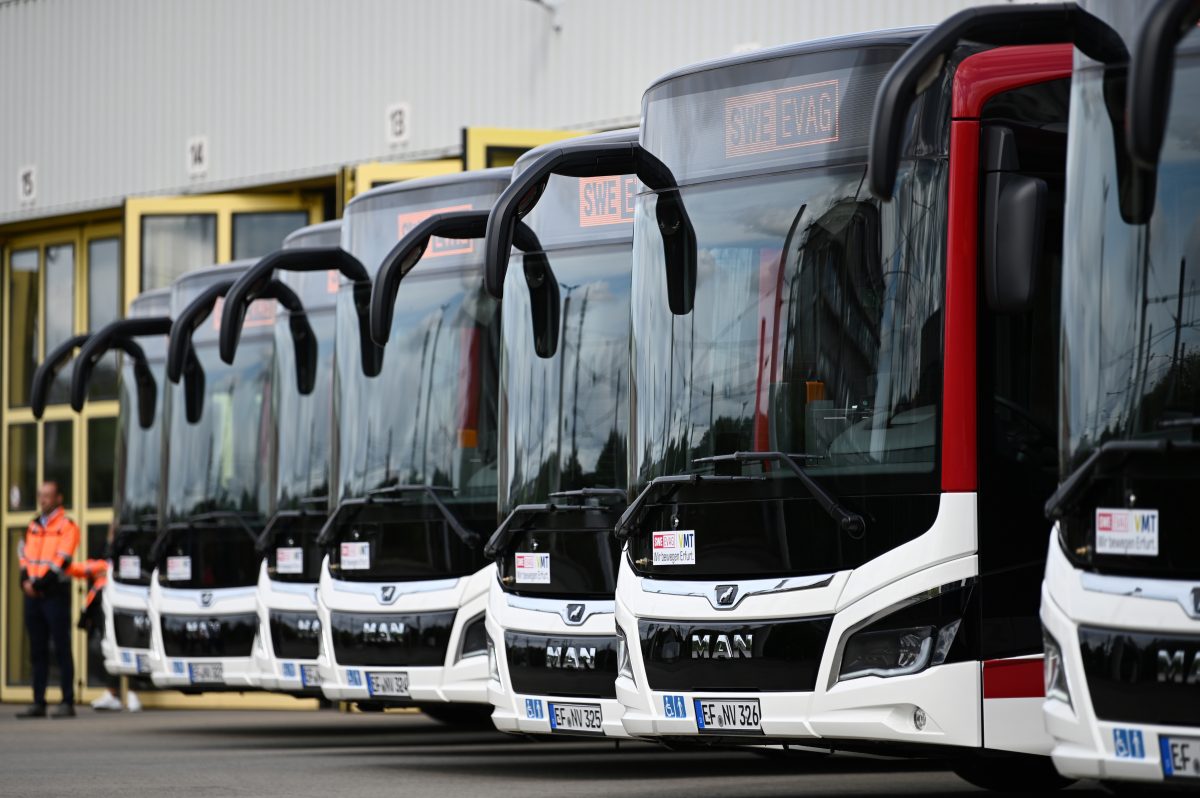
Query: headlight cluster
(919, 634)
(896, 652)
(493, 665)
(474, 635)
(1054, 672)
(624, 664)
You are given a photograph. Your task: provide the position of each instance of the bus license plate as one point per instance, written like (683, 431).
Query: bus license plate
(742, 716)
(310, 676)
(1180, 757)
(206, 672)
(143, 663)
(585, 718)
(388, 684)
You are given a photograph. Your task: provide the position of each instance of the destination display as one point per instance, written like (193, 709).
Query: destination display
(588, 210)
(785, 112)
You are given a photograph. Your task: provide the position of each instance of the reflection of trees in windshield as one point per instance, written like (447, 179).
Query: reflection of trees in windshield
(304, 421)
(816, 327)
(1131, 294)
(430, 416)
(219, 463)
(567, 417)
(139, 465)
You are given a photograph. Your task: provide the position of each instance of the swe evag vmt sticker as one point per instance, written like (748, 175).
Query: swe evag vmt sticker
(677, 547)
(1133, 533)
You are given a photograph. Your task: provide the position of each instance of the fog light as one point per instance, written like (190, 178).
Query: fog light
(919, 719)
(493, 665)
(1054, 674)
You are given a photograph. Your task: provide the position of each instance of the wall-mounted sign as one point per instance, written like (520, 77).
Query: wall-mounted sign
(398, 119)
(197, 156)
(27, 185)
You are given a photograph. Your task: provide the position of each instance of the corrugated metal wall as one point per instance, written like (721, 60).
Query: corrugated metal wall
(103, 95)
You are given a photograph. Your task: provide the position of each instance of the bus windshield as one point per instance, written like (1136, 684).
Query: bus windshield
(429, 417)
(816, 329)
(218, 469)
(566, 422)
(222, 462)
(139, 469)
(1131, 322)
(139, 463)
(304, 421)
(1131, 293)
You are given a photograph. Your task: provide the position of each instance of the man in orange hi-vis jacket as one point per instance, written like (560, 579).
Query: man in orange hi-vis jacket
(50, 542)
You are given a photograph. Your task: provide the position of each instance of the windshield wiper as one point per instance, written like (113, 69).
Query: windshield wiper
(607, 500)
(219, 518)
(264, 537)
(848, 521)
(1107, 454)
(1175, 423)
(398, 494)
(662, 488)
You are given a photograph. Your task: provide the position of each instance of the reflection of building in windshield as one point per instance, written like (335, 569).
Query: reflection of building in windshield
(805, 336)
(442, 359)
(567, 415)
(1131, 292)
(842, 355)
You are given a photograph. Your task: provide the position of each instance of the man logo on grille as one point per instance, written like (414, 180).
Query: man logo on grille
(387, 593)
(1196, 601)
(726, 594)
(206, 599)
(575, 613)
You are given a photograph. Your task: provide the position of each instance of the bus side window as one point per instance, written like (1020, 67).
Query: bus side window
(1018, 390)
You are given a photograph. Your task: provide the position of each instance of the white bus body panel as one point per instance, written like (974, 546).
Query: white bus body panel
(173, 672)
(510, 713)
(119, 660)
(456, 681)
(1084, 746)
(271, 672)
(868, 708)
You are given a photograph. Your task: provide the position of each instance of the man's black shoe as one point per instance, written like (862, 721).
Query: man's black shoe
(63, 711)
(33, 711)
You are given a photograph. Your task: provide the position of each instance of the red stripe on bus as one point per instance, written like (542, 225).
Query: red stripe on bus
(976, 80)
(1013, 678)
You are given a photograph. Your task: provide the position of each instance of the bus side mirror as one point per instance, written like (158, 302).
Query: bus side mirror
(544, 304)
(1014, 220)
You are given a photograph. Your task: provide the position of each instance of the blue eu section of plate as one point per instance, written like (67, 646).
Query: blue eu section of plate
(1180, 757)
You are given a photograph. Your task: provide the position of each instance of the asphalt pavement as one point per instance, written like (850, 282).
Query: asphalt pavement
(182, 753)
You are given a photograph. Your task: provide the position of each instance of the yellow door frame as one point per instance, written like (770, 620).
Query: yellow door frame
(127, 231)
(79, 236)
(222, 206)
(485, 147)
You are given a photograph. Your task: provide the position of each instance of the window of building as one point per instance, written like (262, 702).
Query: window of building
(58, 309)
(257, 234)
(174, 244)
(23, 302)
(103, 307)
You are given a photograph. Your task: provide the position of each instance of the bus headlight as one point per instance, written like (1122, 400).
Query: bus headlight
(888, 652)
(1053, 671)
(624, 664)
(917, 634)
(493, 665)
